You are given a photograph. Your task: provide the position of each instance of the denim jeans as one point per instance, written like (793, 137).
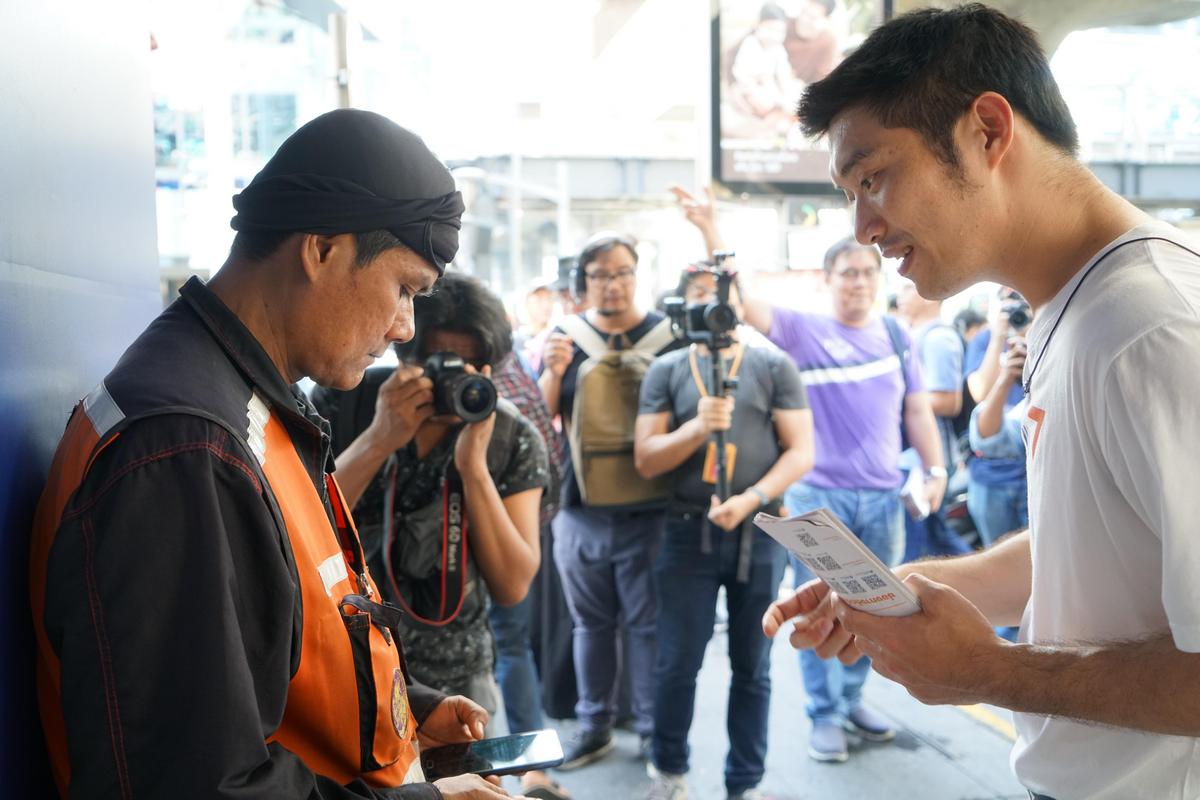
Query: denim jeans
(515, 670)
(877, 518)
(997, 510)
(931, 536)
(606, 560)
(687, 581)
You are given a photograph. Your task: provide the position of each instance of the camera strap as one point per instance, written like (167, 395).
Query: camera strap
(452, 565)
(1027, 386)
(706, 530)
(733, 367)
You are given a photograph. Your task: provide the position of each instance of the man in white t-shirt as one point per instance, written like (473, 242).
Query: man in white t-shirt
(957, 154)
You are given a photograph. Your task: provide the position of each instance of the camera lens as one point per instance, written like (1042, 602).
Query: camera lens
(474, 398)
(720, 318)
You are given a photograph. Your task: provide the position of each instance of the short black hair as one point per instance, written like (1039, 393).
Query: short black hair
(771, 11)
(688, 276)
(922, 70)
(847, 245)
(968, 318)
(462, 304)
(256, 246)
(593, 248)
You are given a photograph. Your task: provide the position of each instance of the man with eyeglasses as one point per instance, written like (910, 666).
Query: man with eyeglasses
(605, 554)
(863, 381)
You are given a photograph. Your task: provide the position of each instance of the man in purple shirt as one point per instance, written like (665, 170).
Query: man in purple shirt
(863, 381)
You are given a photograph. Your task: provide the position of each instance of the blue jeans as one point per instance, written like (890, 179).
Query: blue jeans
(515, 670)
(931, 536)
(877, 518)
(997, 510)
(606, 560)
(687, 581)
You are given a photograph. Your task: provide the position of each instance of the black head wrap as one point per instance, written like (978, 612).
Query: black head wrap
(352, 171)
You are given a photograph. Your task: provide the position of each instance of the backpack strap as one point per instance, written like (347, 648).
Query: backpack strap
(585, 336)
(656, 338)
(898, 344)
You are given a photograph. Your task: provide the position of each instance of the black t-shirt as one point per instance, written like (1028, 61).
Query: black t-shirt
(439, 656)
(566, 399)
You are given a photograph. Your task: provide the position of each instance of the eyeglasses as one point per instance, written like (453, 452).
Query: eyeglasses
(854, 273)
(605, 278)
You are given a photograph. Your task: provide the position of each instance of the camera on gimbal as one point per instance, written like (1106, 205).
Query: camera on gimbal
(466, 395)
(709, 324)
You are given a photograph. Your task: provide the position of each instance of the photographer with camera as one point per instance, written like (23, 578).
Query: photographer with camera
(863, 381)
(446, 481)
(996, 485)
(710, 538)
(606, 534)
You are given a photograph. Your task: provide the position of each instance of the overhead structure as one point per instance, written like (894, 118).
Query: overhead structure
(1054, 21)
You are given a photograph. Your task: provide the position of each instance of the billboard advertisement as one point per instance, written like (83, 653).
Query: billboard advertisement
(763, 55)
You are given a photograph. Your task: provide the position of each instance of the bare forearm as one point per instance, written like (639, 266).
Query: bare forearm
(551, 386)
(1147, 685)
(990, 416)
(507, 560)
(997, 581)
(923, 433)
(982, 379)
(358, 464)
(661, 453)
(945, 404)
(793, 464)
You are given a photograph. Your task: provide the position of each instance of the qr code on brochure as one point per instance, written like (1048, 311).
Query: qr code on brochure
(873, 581)
(852, 586)
(806, 539)
(828, 562)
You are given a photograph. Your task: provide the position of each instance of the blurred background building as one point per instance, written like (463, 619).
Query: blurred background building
(560, 119)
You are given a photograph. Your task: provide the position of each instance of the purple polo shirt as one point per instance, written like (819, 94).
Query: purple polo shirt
(856, 392)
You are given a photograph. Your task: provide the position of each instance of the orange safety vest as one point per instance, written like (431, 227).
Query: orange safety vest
(347, 714)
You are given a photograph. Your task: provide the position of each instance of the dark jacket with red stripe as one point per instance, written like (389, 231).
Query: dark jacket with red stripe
(188, 643)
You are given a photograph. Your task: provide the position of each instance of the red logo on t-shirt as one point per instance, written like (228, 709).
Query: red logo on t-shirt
(1036, 416)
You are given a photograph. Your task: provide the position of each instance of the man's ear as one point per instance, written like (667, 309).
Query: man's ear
(991, 125)
(319, 252)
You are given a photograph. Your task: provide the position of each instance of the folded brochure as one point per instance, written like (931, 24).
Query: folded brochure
(841, 560)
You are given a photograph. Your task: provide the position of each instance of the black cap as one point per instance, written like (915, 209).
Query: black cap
(352, 171)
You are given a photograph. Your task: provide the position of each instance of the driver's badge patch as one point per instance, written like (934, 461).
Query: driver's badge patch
(399, 702)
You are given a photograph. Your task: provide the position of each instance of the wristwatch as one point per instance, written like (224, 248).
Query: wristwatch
(763, 500)
(936, 472)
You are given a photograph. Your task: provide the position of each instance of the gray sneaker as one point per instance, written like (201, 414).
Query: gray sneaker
(754, 794)
(827, 742)
(868, 725)
(665, 785)
(585, 747)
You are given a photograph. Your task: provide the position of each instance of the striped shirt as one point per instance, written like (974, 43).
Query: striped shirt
(856, 390)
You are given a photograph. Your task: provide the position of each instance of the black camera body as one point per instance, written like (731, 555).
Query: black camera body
(469, 396)
(710, 324)
(1019, 314)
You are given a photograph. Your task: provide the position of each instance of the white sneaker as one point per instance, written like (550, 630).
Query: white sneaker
(665, 785)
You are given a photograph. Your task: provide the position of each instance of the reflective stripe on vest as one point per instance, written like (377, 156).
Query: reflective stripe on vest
(321, 722)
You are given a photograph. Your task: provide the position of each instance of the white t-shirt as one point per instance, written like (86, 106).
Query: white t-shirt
(1113, 451)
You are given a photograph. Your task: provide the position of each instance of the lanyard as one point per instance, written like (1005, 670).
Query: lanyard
(733, 368)
(1028, 385)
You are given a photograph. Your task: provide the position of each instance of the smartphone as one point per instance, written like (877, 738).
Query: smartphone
(503, 755)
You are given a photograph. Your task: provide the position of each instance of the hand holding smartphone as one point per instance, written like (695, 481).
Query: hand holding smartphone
(503, 755)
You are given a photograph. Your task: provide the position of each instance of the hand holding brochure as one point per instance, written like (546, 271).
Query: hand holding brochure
(838, 557)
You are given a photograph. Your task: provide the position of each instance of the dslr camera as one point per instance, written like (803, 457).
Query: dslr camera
(710, 323)
(468, 396)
